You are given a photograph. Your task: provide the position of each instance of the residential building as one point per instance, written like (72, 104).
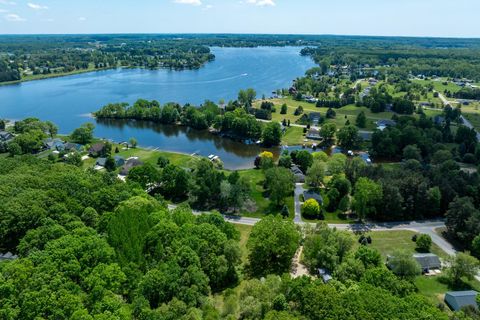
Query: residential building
(456, 300)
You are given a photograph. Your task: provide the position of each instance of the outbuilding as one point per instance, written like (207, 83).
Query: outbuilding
(459, 299)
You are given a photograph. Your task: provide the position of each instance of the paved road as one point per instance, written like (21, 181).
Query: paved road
(467, 123)
(427, 227)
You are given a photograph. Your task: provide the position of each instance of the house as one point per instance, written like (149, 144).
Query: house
(313, 134)
(325, 275)
(365, 157)
(129, 164)
(96, 149)
(72, 147)
(314, 117)
(428, 261)
(54, 144)
(119, 161)
(5, 136)
(456, 300)
(365, 135)
(298, 174)
(7, 256)
(101, 162)
(384, 123)
(310, 194)
(439, 120)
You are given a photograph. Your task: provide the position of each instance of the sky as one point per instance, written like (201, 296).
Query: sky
(435, 18)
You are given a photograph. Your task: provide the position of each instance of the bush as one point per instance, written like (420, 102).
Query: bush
(311, 209)
(424, 242)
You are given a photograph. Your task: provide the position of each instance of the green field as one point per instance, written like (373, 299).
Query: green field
(293, 136)
(263, 205)
(388, 241)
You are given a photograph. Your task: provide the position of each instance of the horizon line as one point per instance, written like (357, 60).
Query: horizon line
(246, 34)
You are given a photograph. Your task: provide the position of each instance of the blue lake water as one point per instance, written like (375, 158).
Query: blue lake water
(68, 101)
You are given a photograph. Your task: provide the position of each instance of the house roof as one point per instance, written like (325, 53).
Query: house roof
(386, 123)
(310, 194)
(101, 162)
(458, 299)
(5, 136)
(97, 147)
(428, 260)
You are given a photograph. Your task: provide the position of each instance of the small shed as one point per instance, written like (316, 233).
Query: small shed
(313, 134)
(298, 174)
(459, 299)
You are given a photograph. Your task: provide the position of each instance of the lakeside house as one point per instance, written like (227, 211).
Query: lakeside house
(96, 149)
(314, 117)
(129, 164)
(54, 144)
(365, 157)
(6, 136)
(384, 123)
(298, 174)
(456, 300)
(70, 146)
(313, 134)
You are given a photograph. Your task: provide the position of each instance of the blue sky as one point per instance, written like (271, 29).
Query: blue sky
(455, 18)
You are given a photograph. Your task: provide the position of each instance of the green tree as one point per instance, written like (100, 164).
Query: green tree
(163, 161)
(404, 265)
(412, 152)
(84, 134)
(279, 183)
(367, 195)
(462, 266)
(145, 175)
(316, 173)
(304, 160)
(311, 209)
(133, 142)
(246, 97)
(424, 243)
(110, 165)
(284, 109)
(327, 132)
(361, 120)
(272, 245)
(370, 257)
(272, 134)
(347, 137)
(74, 159)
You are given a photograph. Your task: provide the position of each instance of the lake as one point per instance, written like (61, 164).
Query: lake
(68, 101)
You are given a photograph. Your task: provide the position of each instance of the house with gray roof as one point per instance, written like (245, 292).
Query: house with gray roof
(311, 194)
(456, 300)
(6, 136)
(384, 123)
(428, 261)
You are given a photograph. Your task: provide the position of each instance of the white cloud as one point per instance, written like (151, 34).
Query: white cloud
(3, 11)
(190, 2)
(14, 18)
(207, 7)
(262, 3)
(6, 2)
(82, 19)
(36, 6)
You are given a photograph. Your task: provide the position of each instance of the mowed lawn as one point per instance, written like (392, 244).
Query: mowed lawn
(263, 205)
(388, 241)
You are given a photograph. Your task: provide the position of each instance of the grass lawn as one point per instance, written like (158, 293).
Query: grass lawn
(148, 156)
(388, 241)
(439, 86)
(244, 235)
(263, 205)
(434, 288)
(293, 136)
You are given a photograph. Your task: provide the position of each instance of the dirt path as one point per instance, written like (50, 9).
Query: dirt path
(298, 268)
